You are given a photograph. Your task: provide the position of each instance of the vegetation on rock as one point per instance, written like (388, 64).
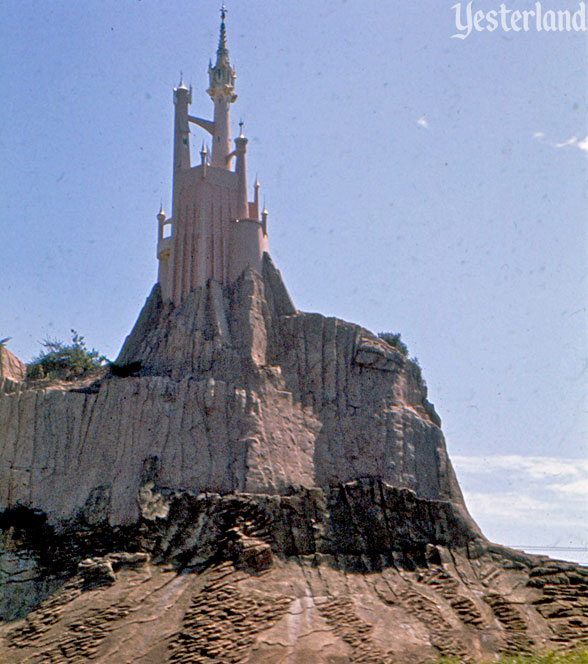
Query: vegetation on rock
(394, 339)
(570, 657)
(64, 361)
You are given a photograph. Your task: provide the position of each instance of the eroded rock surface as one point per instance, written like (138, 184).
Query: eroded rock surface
(232, 391)
(250, 483)
(12, 371)
(362, 572)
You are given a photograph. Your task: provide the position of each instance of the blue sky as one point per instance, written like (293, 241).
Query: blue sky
(416, 183)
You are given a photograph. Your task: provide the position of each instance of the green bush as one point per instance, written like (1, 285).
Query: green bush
(65, 361)
(572, 657)
(416, 367)
(393, 339)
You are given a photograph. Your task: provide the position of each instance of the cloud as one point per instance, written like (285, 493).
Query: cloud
(533, 467)
(528, 500)
(577, 489)
(423, 122)
(525, 489)
(583, 145)
(574, 141)
(565, 144)
(523, 509)
(511, 505)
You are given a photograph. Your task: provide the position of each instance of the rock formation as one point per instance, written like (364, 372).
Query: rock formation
(253, 483)
(12, 371)
(247, 482)
(231, 391)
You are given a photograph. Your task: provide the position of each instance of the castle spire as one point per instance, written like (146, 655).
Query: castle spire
(222, 39)
(222, 92)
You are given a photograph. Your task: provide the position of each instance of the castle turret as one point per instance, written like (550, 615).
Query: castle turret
(241, 171)
(254, 207)
(163, 251)
(182, 98)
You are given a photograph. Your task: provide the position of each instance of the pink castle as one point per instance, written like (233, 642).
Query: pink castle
(214, 231)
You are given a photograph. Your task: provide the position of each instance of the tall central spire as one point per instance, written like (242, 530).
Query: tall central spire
(222, 40)
(222, 92)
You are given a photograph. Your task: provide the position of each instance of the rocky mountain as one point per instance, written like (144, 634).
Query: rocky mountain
(250, 483)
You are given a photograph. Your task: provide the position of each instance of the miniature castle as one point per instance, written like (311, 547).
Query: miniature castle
(214, 231)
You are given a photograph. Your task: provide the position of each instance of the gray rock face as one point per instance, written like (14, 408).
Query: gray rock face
(233, 391)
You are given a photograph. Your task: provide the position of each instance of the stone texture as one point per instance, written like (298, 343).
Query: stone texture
(231, 391)
(10, 366)
(361, 572)
(12, 371)
(253, 484)
(100, 570)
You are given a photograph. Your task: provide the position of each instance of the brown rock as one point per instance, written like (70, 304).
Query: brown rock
(10, 366)
(295, 611)
(12, 372)
(96, 572)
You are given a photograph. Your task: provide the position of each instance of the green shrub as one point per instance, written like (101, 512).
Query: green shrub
(393, 339)
(572, 657)
(65, 361)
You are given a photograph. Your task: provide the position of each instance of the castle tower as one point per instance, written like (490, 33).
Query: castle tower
(214, 232)
(222, 93)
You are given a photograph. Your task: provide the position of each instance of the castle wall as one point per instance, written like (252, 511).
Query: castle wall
(247, 246)
(204, 201)
(208, 241)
